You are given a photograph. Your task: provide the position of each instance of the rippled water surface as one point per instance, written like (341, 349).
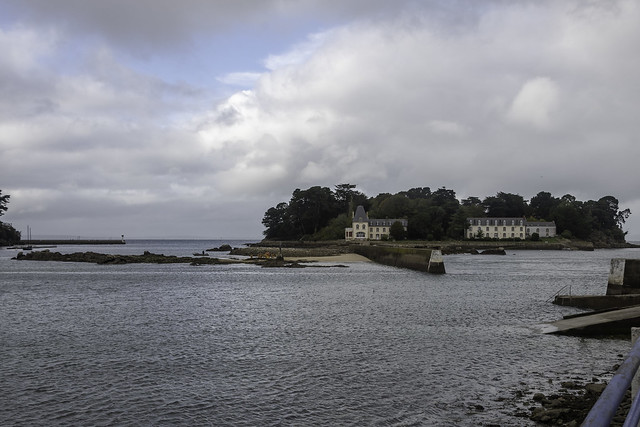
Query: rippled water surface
(85, 344)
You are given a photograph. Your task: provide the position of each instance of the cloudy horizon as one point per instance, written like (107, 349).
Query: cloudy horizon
(190, 119)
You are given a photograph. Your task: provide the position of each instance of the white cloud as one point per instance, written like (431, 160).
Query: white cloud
(518, 97)
(535, 103)
(244, 79)
(22, 48)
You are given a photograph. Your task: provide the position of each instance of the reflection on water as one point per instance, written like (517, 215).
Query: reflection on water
(240, 345)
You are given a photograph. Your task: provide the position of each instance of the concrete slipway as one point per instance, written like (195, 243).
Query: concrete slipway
(608, 322)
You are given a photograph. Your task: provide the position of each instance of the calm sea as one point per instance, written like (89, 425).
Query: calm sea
(84, 344)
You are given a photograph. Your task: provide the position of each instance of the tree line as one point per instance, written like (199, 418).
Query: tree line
(320, 213)
(8, 234)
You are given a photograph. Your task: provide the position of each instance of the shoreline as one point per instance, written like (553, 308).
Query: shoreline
(350, 257)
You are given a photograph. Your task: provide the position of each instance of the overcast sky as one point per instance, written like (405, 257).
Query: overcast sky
(190, 118)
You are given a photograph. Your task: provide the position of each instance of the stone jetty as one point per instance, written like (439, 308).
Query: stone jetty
(615, 312)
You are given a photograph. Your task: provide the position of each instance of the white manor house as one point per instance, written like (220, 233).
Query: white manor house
(365, 228)
(508, 228)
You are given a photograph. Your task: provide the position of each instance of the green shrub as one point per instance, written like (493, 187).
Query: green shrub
(566, 234)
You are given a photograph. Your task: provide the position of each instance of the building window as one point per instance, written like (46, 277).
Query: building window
(357, 226)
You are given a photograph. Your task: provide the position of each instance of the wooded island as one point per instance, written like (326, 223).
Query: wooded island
(319, 213)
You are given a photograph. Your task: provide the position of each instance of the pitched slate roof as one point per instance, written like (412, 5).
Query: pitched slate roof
(360, 215)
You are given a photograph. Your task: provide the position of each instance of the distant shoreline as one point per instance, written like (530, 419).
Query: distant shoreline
(72, 242)
(315, 248)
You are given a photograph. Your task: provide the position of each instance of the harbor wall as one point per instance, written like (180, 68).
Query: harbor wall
(598, 302)
(427, 260)
(624, 277)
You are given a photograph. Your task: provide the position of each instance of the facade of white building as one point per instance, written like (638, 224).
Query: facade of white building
(365, 228)
(508, 228)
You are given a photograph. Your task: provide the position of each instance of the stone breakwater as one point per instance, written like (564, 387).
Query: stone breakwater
(151, 258)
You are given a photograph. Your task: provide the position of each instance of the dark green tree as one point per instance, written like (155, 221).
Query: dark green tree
(4, 201)
(446, 200)
(570, 215)
(395, 206)
(418, 227)
(418, 193)
(607, 219)
(505, 205)
(8, 234)
(469, 208)
(278, 223)
(335, 229)
(375, 204)
(396, 231)
(312, 209)
(347, 198)
(542, 204)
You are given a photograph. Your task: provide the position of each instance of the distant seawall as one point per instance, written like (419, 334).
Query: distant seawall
(401, 257)
(73, 242)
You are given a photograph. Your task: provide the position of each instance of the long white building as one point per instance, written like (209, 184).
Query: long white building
(508, 228)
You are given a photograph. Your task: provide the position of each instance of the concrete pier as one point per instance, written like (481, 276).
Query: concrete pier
(436, 263)
(403, 257)
(624, 277)
(619, 309)
(612, 322)
(598, 302)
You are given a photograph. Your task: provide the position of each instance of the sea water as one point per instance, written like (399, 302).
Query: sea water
(175, 344)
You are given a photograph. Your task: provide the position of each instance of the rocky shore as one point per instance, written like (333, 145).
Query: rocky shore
(570, 402)
(269, 249)
(475, 247)
(263, 260)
